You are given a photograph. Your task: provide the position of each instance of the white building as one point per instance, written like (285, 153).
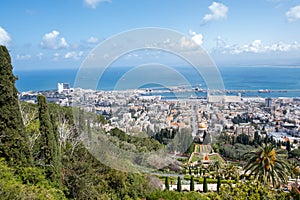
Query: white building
(223, 98)
(64, 88)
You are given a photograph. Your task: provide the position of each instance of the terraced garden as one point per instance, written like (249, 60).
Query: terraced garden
(203, 149)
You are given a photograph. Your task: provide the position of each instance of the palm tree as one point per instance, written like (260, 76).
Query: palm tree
(267, 164)
(294, 169)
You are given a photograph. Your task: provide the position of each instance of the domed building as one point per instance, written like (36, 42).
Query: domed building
(202, 127)
(202, 130)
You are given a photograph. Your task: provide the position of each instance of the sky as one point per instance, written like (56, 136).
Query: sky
(61, 33)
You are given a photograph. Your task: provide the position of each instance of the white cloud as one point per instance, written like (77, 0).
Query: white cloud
(73, 55)
(4, 37)
(56, 56)
(186, 43)
(218, 11)
(183, 44)
(293, 14)
(53, 41)
(93, 3)
(256, 46)
(197, 38)
(23, 57)
(93, 40)
(40, 56)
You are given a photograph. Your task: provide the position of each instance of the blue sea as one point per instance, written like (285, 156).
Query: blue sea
(234, 78)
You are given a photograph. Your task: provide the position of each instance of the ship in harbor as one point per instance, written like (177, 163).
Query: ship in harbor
(264, 91)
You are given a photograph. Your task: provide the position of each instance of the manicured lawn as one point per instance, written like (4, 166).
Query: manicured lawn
(199, 157)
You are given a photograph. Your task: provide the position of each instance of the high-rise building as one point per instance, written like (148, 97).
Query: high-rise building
(63, 88)
(268, 102)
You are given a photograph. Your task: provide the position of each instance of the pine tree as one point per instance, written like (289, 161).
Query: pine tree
(13, 140)
(179, 184)
(47, 144)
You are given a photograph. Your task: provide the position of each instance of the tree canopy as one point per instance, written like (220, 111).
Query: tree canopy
(13, 140)
(267, 164)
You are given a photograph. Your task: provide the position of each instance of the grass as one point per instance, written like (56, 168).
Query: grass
(199, 157)
(203, 148)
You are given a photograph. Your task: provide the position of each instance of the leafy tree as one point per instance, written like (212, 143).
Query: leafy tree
(185, 139)
(47, 143)
(27, 183)
(267, 164)
(165, 135)
(243, 139)
(101, 119)
(179, 184)
(191, 149)
(252, 189)
(295, 154)
(217, 165)
(165, 195)
(231, 172)
(13, 140)
(87, 178)
(257, 139)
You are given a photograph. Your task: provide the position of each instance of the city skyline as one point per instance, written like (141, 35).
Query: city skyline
(60, 34)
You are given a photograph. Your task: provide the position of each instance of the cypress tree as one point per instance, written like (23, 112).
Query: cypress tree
(192, 184)
(205, 189)
(47, 144)
(57, 151)
(81, 121)
(89, 133)
(179, 184)
(218, 183)
(54, 126)
(13, 140)
(167, 186)
(288, 146)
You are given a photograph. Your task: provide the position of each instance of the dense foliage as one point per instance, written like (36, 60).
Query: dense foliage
(44, 155)
(47, 143)
(13, 140)
(251, 190)
(30, 183)
(268, 165)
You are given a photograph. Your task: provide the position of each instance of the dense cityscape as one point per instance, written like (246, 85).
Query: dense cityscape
(150, 100)
(244, 120)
